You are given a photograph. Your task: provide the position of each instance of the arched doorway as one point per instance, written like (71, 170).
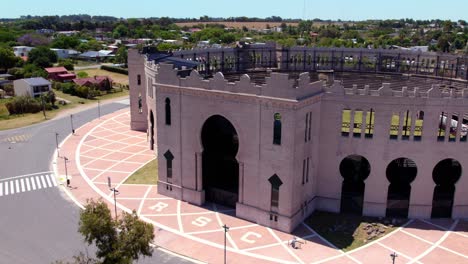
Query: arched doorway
(151, 130)
(220, 169)
(354, 169)
(445, 174)
(400, 173)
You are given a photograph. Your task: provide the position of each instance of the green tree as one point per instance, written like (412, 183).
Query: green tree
(121, 55)
(117, 242)
(7, 59)
(67, 63)
(42, 57)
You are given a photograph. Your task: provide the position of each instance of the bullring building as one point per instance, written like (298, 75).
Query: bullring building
(277, 133)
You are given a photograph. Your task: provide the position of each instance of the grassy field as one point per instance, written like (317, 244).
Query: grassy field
(116, 77)
(148, 174)
(348, 232)
(8, 121)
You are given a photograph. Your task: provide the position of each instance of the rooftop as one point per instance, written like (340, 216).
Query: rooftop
(37, 81)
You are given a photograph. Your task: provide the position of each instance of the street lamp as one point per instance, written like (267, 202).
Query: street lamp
(226, 229)
(115, 191)
(66, 171)
(71, 122)
(56, 142)
(393, 256)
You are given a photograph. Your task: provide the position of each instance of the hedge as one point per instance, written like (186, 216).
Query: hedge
(22, 105)
(114, 69)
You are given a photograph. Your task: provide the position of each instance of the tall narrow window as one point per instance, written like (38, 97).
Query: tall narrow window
(168, 111)
(310, 126)
(345, 122)
(307, 171)
(453, 127)
(169, 157)
(418, 126)
(370, 121)
(406, 131)
(139, 79)
(275, 182)
(394, 126)
(303, 171)
(357, 123)
(277, 129)
(140, 104)
(464, 127)
(441, 129)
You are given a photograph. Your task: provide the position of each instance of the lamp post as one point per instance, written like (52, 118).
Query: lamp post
(71, 122)
(226, 229)
(393, 256)
(115, 191)
(56, 142)
(66, 171)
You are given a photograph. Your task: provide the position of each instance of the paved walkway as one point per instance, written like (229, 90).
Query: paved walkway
(108, 148)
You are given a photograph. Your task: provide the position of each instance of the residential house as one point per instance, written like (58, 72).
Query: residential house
(22, 51)
(60, 74)
(31, 87)
(65, 53)
(96, 55)
(101, 82)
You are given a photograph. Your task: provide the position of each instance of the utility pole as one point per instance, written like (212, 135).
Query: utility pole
(226, 229)
(115, 191)
(56, 143)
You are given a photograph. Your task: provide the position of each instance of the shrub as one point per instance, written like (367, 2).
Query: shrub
(69, 88)
(82, 74)
(114, 69)
(67, 63)
(22, 105)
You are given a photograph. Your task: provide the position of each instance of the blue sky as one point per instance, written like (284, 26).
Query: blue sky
(323, 9)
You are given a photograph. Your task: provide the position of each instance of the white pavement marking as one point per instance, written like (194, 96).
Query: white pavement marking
(436, 225)
(393, 250)
(17, 186)
(39, 186)
(140, 207)
(415, 236)
(1, 188)
(285, 246)
(22, 185)
(221, 224)
(43, 181)
(436, 244)
(28, 186)
(25, 175)
(179, 218)
(54, 182)
(48, 180)
(454, 252)
(12, 187)
(33, 183)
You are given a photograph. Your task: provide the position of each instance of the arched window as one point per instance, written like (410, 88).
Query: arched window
(169, 157)
(168, 111)
(277, 129)
(275, 182)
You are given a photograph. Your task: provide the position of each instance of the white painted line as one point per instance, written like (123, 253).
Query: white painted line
(12, 187)
(22, 185)
(393, 250)
(140, 207)
(25, 175)
(6, 188)
(28, 186)
(48, 181)
(264, 246)
(1, 188)
(17, 186)
(39, 186)
(43, 181)
(454, 252)
(436, 225)
(54, 182)
(33, 183)
(228, 236)
(415, 236)
(285, 246)
(179, 218)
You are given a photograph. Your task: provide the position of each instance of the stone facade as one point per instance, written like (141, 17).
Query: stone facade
(315, 137)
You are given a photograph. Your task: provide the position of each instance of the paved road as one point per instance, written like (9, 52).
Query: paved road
(38, 223)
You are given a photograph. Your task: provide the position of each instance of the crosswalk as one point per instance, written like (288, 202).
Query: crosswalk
(17, 138)
(28, 183)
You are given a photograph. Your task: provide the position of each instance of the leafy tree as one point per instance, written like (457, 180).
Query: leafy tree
(119, 241)
(121, 55)
(82, 74)
(65, 42)
(42, 57)
(33, 39)
(67, 63)
(7, 59)
(120, 31)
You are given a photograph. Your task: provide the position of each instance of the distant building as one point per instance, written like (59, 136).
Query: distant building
(31, 87)
(22, 51)
(60, 74)
(65, 53)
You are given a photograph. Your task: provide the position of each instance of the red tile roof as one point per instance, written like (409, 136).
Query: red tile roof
(92, 80)
(56, 69)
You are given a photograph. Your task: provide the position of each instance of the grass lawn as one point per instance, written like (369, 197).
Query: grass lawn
(148, 174)
(348, 232)
(9, 122)
(116, 77)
